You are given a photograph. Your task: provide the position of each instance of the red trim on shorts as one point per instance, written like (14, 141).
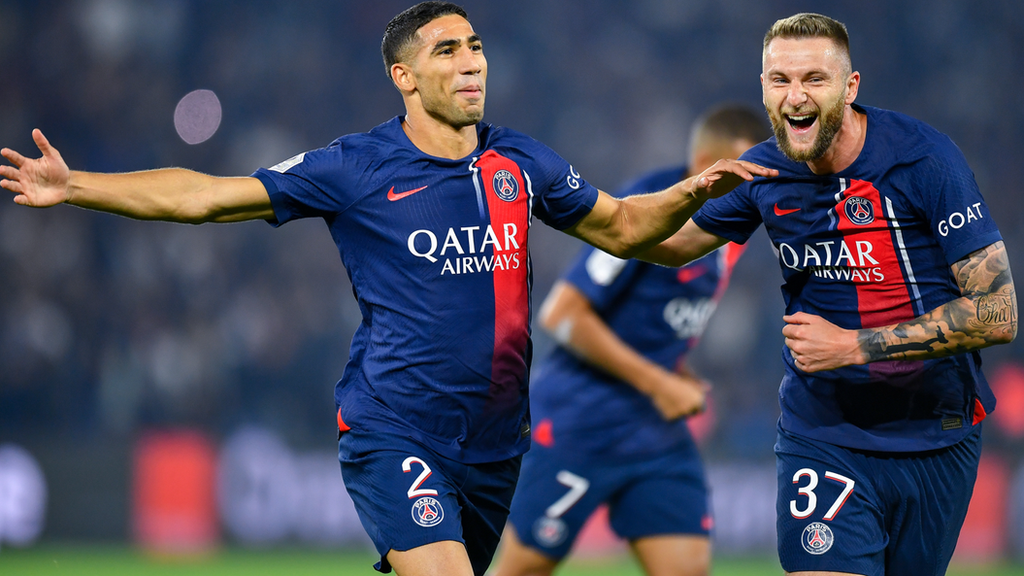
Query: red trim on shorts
(342, 427)
(979, 412)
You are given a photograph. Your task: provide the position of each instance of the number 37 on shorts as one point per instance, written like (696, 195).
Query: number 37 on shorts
(806, 502)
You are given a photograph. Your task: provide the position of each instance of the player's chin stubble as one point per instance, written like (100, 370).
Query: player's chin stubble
(829, 124)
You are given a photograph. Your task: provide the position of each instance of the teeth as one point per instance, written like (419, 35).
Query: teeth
(801, 118)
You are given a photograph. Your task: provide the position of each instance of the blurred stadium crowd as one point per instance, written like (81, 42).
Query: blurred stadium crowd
(110, 327)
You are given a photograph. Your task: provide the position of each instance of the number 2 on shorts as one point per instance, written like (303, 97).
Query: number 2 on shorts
(812, 498)
(415, 489)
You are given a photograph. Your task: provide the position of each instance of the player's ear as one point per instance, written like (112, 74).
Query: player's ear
(403, 77)
(852, 86)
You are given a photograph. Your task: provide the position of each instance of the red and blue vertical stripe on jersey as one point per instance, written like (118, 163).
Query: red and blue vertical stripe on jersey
(894, 298)
(505, 190)
(891, 299)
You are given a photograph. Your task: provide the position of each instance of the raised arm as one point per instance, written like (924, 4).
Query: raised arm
(171, 194)
(567, 314)
(629, 226)
(985, 314)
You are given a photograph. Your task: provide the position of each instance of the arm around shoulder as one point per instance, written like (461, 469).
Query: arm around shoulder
(633, 225)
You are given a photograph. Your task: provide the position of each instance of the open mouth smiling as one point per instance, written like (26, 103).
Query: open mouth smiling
(801, 122)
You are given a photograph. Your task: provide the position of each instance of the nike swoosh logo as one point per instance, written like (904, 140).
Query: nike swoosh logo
(392, 196)
(783, 212)
(687, 274)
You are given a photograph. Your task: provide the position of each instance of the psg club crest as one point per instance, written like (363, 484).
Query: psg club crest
(427, 512)
(859, 210)
(505, 185)
(549, 532)
(817, 538)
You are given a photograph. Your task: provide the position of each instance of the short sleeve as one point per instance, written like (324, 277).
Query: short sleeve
(311, 184)
(561, 196)
(733, 216)
(942, 188)
(601, 277)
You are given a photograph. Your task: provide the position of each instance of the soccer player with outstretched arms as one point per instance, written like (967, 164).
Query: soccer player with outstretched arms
(431, 214)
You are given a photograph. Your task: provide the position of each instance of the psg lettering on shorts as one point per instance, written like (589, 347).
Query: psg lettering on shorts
(817, 538)
(427, 512)
(549, 532)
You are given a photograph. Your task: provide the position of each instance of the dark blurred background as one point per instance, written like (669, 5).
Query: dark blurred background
(113, 330)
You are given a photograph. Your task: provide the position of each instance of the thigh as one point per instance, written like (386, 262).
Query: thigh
(446, 558)
(485, 498)
(557, 492)
(673, 555)
(518, 559)
(665, 494)
(830, 516)
(401, 490)
(933, 491)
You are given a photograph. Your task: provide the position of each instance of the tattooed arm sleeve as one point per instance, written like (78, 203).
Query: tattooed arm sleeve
(986, 314)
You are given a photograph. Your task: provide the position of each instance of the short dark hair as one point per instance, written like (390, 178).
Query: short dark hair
(809, 25)
(401, 31)
(729, 122)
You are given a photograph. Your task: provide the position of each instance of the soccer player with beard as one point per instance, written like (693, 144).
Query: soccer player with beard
(430, 212)
(895, 275)
(610, 402)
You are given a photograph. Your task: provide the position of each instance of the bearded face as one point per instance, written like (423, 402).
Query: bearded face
(829, 121)
(807, 85)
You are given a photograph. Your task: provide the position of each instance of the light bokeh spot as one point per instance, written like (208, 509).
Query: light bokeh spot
(197, 116)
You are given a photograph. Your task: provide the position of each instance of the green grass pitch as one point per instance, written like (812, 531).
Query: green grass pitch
(118, 561)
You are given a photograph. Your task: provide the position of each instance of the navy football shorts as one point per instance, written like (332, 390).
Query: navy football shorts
(408, 496)
(559, 488)
(871, 513)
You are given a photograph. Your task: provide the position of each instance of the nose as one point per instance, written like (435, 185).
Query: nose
(796, 94)
(470, 62)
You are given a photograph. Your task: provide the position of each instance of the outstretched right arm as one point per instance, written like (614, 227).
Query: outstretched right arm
(171, 194)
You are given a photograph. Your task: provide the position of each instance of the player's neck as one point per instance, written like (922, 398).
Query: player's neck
(438, 138)
(846, 146)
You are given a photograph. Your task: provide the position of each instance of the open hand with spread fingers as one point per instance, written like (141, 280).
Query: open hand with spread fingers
(725, 175)
(38, 182)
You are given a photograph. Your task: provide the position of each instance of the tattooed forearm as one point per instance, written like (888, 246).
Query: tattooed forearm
(986, 314)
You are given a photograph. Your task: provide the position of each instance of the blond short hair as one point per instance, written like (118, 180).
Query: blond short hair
(810, 25)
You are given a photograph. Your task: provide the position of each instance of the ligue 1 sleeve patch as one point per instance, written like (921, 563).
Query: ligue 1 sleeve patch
(817, 538)
(427, 512)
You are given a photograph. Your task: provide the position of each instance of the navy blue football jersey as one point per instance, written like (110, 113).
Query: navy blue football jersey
(871, 246)
(660, 312)
(436, 250)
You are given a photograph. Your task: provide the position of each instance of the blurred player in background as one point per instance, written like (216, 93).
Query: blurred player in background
(430, 212)
(895, 275)
(610, 404)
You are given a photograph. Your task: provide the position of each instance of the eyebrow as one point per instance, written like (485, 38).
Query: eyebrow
(454, 42)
